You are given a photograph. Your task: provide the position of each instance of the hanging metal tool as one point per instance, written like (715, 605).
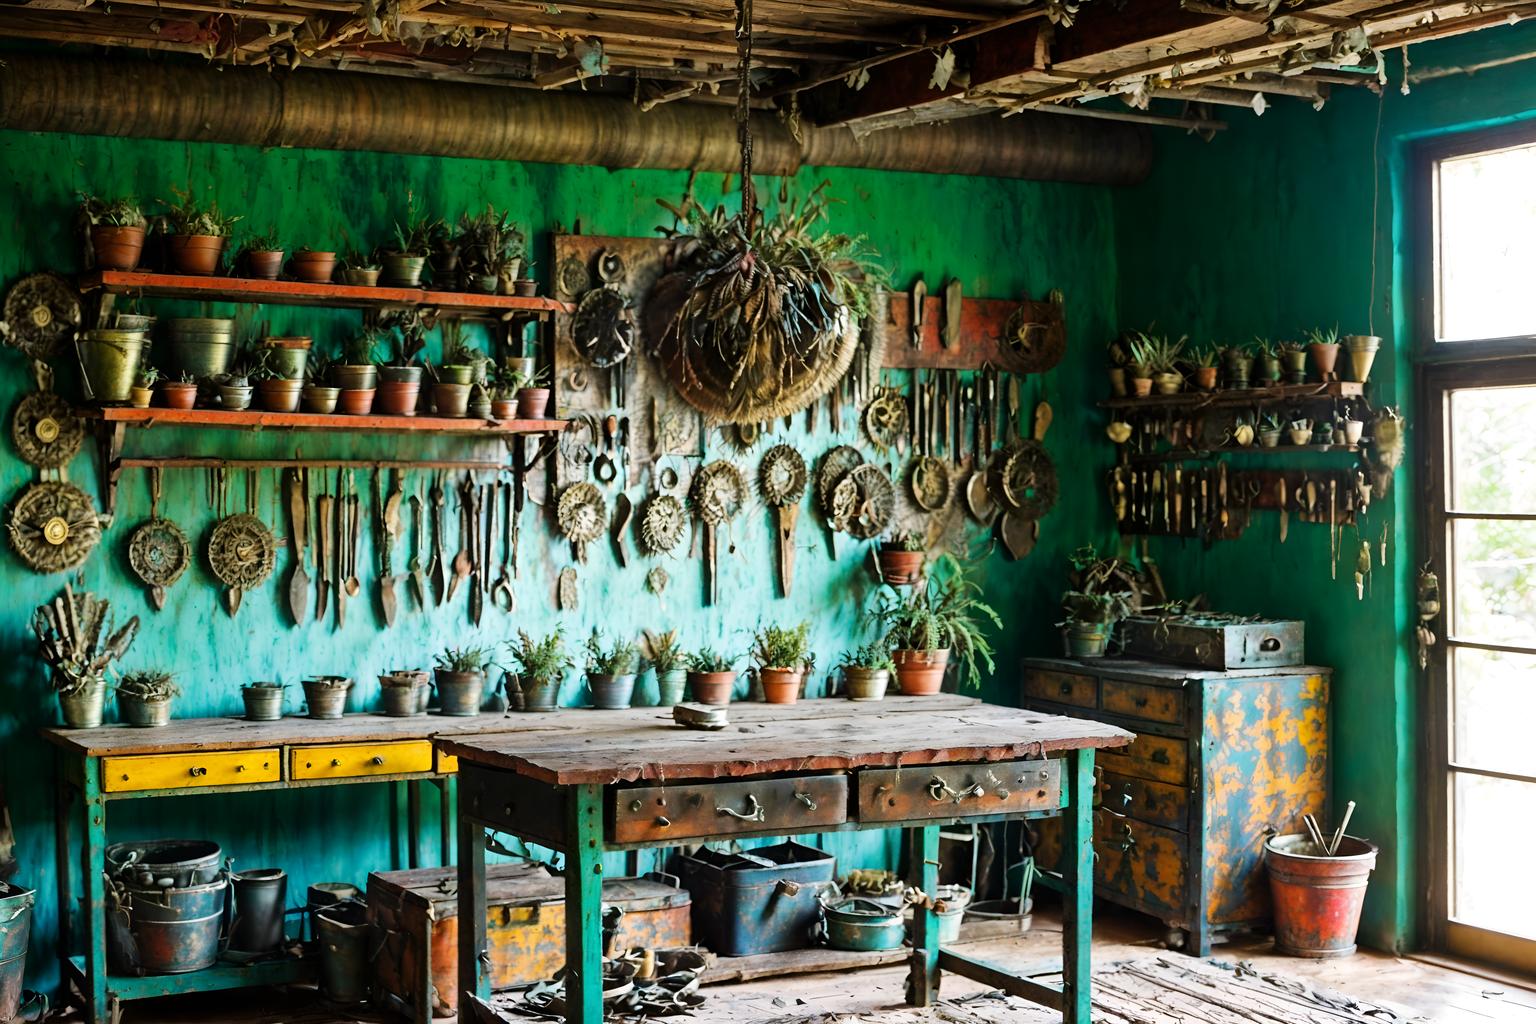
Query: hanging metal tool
(241, 549)
(919, 298)
(623, 512)
(298, 515)
(389, 521)
(476, 566)
(325, 550)
(158, 551)
(954, 294)
(464, 561)
(415, 569)
(438, 569)
(502, 594)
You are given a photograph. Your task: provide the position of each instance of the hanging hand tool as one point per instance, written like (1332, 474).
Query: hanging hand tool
(355, 521)
(624, 447)
(464, 561)
(437, 569)
(1333, 532)
(954, 293)
(623, 511)
(416, 573)
(343, 532)
(502, 594)
(325, 537)
(1283, 494)
(298, 512)
(477, 567)
(919, 298)
(1178, 500)
(1221, 497)
(389, 520)
(517, 514)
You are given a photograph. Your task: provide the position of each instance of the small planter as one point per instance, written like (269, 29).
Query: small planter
(611, 692)
(1087, 639)
(1353, 431)
(1117, 381)
(1300, 435)
(537, 695)
(504, 408)
(1141, 387)
(320, 399)
(1325, 358)
(1239, 372)
(234, 397)
(359, 277)
(485, 284)
(525, 288)
(900, 568)
(920, 673)
(262, 703)
(451, 400)
(144, 714)
(1168, 383)
(139, 397)
(175, 394)
(445, 268)
(287, 357)
(201, 346)
(865, 683)
(263, 264)
(279, 395)
(1294, 366)
(459, 693)
(1205, 378)
(403, 271)
(1268, 371)
(400, 374)
(109, 364)
(196, 254)
(326, 697)
(670, 687)
(1362, 349)
(780, 685)
(712, 687)
(313, 267)
(533, 403)
(1269, 438)
(117, 248)
(397, 398)
(479, 405)
(83, 706)
(455, 373)
(356, 401)
(361, 377)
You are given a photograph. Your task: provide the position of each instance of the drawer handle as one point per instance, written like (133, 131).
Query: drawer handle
(1066, 688)
(196, 771)
(805, 798)
(939, 790)
(1129, 839)
(1161, 757)
(239, 768)
(754, 810)
(662, 821)
(378, 759)
(1141, 702)
(335, 762)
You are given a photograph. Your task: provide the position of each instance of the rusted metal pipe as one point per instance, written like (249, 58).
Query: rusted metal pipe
(341, 110)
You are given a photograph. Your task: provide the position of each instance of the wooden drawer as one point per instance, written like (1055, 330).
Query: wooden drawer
(447, 764)
(1157, 803)
(771, 806)
(135, 773)
(1138, 700)
(1160, 758)
(958, 791)
(351, 760)
(1144, 866)
(1062, 688)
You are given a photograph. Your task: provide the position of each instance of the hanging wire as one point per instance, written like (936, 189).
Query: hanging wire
(744, 112)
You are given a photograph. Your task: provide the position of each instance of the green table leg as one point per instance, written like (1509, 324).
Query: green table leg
(584, 905)
(93, 868)
(1077, 890)
(63, 807)
(474, 980)
(923, 854)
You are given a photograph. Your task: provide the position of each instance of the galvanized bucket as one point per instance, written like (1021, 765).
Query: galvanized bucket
(144, 714)
(261, 896)
(109, 362)
(460, 693)
(201, 346)
(325, 700)
(171, 931)
(611, 692)
(864, 925)
(670, 686)
(326, 894)
(344, 959)
(263, 703)
(165, 862)
(82, 708)
(15, 930)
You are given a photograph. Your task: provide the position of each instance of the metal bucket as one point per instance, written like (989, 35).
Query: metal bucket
(864, 925)
(324, 700)
(1317, 898)
(109, 363)
(326, 894)
(263, 703)
(201, 346)
(261, 896)
(170, 931)
(82, 708)
(401, 701)
(144, 714)
(15, 930)
(344, 959)
(147, 862)
(611, 692)
(460, 693)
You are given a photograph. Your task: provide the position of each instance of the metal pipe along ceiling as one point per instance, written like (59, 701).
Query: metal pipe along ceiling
(340, 110)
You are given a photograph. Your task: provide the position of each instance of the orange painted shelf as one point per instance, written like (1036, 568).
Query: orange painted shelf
(1278, 395)
(299, 293)
(252, 419)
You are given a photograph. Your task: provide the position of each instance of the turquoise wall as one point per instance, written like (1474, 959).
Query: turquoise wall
(1264, 231)
(1000, 237)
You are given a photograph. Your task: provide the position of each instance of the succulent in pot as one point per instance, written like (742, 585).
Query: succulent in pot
(867, 671)
(664, 653)
(1293, 361)
(261, 257)
(1205, 360)
(1090, 619)
(317, 395)
(115, 230)
(326, 696)
(611, 671)
(711, 676)
(541, 668)
(76, 639)
(144, 697)
(1300, 431)
(196, 235)
(533, 393)
(263, 701)
(1323, 346)
(275, 392)
(288, 357)
(783, 656)
(234, 389)
(358, 369)
(1269, 431)
(1238, 361)
(180, 393)
(445, 256)
(359, 269)
(901, 557)
(404, 262)
(1266, 361)
(462, 364)
(313, 267)
(460, 675)
(143, 391)
(493, 248)
(944, 619)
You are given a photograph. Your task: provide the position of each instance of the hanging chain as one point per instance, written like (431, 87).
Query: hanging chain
(744, 111)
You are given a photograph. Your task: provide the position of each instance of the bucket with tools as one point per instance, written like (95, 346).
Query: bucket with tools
(168, 906)
(1318, 883)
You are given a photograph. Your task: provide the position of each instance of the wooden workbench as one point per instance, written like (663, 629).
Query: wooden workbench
(813, 767)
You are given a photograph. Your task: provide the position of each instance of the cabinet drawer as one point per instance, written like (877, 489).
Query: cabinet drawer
(350, 760)
(135, 773)
(1157, 803)
(1062, 688)
(772, 806)
(1161, 758)
(1143, 865)
(1138, 700)
(959, 791)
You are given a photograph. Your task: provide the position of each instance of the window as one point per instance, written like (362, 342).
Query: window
(1485, 245)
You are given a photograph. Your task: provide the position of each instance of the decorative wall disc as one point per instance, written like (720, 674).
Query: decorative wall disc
(565, 590)
(54, 527)
(42, 311)
(241, 551)
(573, 278)
(582, 514)
(158, 553)
(930, 483)
(834, 466)
(782, 475)
(718, 493)
(602, 330)
(1022, 478)
(863, 502)
(885, 418)
(46, 431)
(663, 524)
(1033, 347)
(656, 580)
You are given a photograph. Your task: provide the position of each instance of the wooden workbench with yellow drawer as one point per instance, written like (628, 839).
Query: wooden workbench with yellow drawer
(222, 755)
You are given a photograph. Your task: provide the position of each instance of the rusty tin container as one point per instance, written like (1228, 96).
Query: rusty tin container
(1219, 642)
(760, 901)
(1317, 898)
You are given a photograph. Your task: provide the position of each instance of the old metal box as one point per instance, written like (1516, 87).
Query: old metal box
(137, 773)
(758, 901)
(414, 915)
(958, 791)
(769, 806)
(1215, 641)
(348, 760)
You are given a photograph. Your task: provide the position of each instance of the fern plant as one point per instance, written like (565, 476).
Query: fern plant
(782, 647)
(622, 658)
(948, 613)
(540, 661)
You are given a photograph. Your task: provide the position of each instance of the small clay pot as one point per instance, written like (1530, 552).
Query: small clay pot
(1325, 358)
(279, 395)
(479, 407)
(287, 357)
(1268, 372)
(397, 398)
(1353, 431)
(780, 685)
(486, 284)
(1269, 438)
(1141, 387)
(356, 401)
(320, 399)
(1168, 383)
(361, 377)
(176, 395)
(1300, 435)
(1205, 378)
(525, 288)
(359, 277)
(504, 408)
(451, 400)
(533, 403)
(865, 683)
(900, 568)
(712, 687)
(141, 397)
(117, 248)
(313, 267)
(234, 397)
(455, 373)
(196, 254)
(920, 673)
(263, 264)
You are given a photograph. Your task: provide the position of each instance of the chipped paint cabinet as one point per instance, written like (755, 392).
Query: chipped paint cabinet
(1220, 760)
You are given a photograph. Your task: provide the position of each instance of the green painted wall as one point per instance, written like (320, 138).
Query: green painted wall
(1001, 237)
(1264, 231)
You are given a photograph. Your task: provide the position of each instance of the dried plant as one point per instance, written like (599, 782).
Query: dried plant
(70, 631)
(664, 651)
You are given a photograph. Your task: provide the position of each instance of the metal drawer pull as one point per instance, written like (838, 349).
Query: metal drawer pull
(335, 762)
(662, 821)
(239, 768)
(1161, 757)
(754, 810)
(195, 772)
(805, 798)
(938, 789)
(378, 759)
(1066, 688)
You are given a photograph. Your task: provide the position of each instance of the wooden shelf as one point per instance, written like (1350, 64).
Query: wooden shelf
(299, 293)
(252, 419)
(1194, 454)
(1193, 400)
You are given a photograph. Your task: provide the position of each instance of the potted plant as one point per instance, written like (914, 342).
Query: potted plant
(944, 619)
(478, 405)
(359, 269)
(1205, 360)
(144, 698)
(1362, 350)
(326, 696)
(444, 256)
(1091, 618)
(1293, 361)
(462, 364)
(275, 392)
(542, 665)
(533, 393)
(504, 394)
(611, 671)
(460, 675)
(263, 701)
(1266, 362)
(76, 639)
(234, 389)
(1351, 426)
(413, 242)
(287, 356)
(115, 230)
(262, 257)
(1238, 360)
(313, 267)
(1139, 363)
(867, 671)
(664, 653)
(494, 248)
(144, 387)
(711, 676)
(317, 395)
(180, 393)
(1269, 430)
(1162, 358)
(357, 375)
(1323, 345)
(526, 287)
(197, 235)
(782, 655)
(1300, 431)
(901, 558)
(1119, 349)
(400, 379)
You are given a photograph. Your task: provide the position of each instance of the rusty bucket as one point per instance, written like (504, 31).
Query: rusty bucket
(344, 952)
(15, 928)
(168, 931)
(1317, 898)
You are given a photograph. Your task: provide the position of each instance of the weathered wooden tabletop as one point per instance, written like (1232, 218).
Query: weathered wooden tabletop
(827, 734)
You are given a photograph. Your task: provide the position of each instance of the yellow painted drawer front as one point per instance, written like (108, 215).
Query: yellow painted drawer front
(138, 772)
(350, 760)
(447, 764)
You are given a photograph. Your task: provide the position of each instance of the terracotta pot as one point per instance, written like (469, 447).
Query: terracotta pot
(196, 254)
(1205, 378)
(320, 399)
(1141, 387)
(117, 248)
(900, 568)
(176, 395)
(313, 267)
(451, 400)
(263, 264)
(504, 408)
(1168, 383)
(141, 397)
(780, 685)
(1324, 358)
(865, 683)
(712, 687)
(533, 403)
(396, 398)
(359, 277)
(1117, 381)
(525, 288)
(279, 395)
(356, 401)
(920, 673)
(355, 378)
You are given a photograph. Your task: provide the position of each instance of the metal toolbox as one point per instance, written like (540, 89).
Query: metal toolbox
(414, 915)
(759, 901)
(1219, 642)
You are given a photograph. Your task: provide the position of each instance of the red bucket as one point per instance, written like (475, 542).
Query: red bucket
(1317, 898)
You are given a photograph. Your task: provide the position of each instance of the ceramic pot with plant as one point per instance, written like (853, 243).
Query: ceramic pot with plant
(451, 400)
(1293, 362)
(1300, 432)
(444, 257)
(525, 288)
(399, 695)
(460, 676)
(313, 267)
(288, 357)
(358, 369)
(116, 231)
(263, 701)
(1352, 430)
(143, 391)
(399, 391)
(179, 394)
(664, 653)
(275, 393)
(196, 235)
(1238, 363)
(541, 668)
(783, 657)
(866, 671)
(404, 262)
(901, 558)
(1090, 620)
(233, 389)
(356, 401)
(1269, 432)
(325, 697)
(478, 406)
(1266, 363)
(1322, 434)
(1361, 349)
(711, 676)
(261, 258)
(359, 270)
(1206, 370)
(493, 248)
(462, 364)
(611, 671)
(1323, 346)
(946, 617)
(76, 638)
(532, 394)
(318, 396)
(144, 698)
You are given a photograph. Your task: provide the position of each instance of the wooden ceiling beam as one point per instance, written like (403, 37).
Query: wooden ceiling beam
(763, 26)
